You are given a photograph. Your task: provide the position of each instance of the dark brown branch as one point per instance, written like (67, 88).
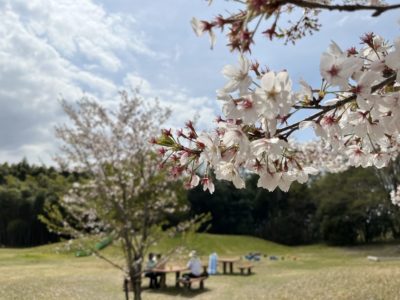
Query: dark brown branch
(308, 107)
(338, 104)
(379, 9)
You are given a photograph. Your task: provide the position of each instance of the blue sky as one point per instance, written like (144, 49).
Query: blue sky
(70, 48)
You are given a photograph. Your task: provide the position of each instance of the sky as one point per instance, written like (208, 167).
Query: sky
(53, 49)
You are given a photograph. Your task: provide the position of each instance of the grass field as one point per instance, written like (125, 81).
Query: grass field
(311, 272)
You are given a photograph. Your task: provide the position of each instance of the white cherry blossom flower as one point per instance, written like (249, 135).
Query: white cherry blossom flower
(269, 125)
(184, 159)
(249, 108)
(228, 171)
(230, 110)
(211, 152)
(395, 196)
(194, 181)
(199, 27)
(376, 53)
(302, 175)
(268, 180)
(390, 106)
(274, 146)
(208, 185)
(238, 77)
(329, 123)
(357, 157)
(392, 60)
(365, 80)
(319, 131)
(380, 160)
(275, 93)
(285, 180)
(337, 68)
(305, 95)
(234, 135)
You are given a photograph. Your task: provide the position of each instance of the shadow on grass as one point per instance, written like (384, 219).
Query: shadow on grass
(182, 292)
(234, 275)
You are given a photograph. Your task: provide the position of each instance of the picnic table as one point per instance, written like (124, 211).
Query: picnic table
(228, 260)
(169, 269)
(204, 265)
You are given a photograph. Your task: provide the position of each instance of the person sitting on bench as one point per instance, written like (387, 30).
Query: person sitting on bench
(194, 266)
(151, 264)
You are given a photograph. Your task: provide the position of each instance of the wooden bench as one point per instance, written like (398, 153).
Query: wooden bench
(242, 268)
(187, 282)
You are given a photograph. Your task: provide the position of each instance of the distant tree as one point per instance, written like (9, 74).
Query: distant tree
(389, 178)
(22, 198)
(231, 210)
(10, 199)
(355, 211)
(126, 195)
(287, 218)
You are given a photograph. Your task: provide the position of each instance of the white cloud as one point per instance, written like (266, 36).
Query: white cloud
(81, 28)
(66, 48)
(184, 106)
(40, 50)
(40, 153)
(134, 81)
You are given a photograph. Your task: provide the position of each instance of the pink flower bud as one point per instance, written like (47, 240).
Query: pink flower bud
(162, 151)
(167, 132)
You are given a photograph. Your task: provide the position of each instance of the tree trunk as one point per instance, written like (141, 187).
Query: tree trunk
(136, 279)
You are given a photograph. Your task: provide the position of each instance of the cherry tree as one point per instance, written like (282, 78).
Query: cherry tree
(354, 113)
(124, 194)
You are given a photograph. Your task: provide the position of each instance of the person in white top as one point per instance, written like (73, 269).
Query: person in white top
(194, 265)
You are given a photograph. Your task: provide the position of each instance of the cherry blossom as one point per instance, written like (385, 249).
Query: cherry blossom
(392, 60)
(238, 77)
(395, 196)
(199, 27)
(354, 112)
(208, 185)
(336, 68)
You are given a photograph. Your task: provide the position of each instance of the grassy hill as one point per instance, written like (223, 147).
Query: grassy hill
(204, 244)
(309, 272)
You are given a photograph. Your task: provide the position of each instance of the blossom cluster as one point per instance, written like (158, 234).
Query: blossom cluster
(355, 114)
(395, 196)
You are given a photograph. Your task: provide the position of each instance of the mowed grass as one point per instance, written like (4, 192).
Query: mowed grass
(311, 272)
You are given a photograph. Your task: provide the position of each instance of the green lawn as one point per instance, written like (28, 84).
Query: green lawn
(311, 272)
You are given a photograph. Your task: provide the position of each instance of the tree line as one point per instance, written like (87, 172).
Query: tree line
(346, 208)
(24, 191)
(339, 209)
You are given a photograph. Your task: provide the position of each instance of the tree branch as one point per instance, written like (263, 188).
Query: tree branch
(97, 253)
(325, 109)
(379, 9)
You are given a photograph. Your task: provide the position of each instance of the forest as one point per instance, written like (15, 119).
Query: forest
(359, 212)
